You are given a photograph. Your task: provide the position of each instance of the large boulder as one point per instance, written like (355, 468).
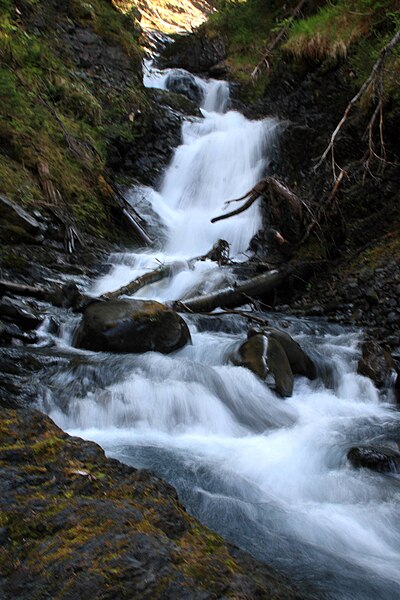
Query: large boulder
(265, 356)
(300, 362)
(274, 352)
(376, 363)
(131, 326)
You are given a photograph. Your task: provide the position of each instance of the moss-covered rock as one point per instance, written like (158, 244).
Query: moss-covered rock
(74, 523)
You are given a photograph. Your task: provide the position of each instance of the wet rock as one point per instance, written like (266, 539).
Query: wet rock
(19, 312)
(9, 332)
(300, 362)
(371, 296)
(67, 296)
(219, 70)
(10, 211)
(279, 366)
(131, 326)
(194, 52)
(376, 458)
(266, 356)
(375, 363)
(272, 351)
(20, 368)
(184, 83)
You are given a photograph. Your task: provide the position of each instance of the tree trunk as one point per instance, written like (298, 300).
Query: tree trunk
(162, 272)
(237, 296)
(219, 253)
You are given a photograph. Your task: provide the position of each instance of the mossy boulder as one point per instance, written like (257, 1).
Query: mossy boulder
(74, 524)
(131, 326)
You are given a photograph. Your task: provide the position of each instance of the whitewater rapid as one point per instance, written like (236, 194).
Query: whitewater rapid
(270, 475)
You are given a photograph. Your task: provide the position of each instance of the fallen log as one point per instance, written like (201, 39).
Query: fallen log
(20, 289)
(129, 215)
(219, 253)
(158, 274)
(236, 296)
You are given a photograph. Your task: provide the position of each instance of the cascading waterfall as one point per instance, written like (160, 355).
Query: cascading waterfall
(270, 475)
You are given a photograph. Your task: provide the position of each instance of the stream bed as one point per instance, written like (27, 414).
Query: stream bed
(270, 475)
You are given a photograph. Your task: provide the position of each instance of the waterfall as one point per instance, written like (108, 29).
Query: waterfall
(270, 475)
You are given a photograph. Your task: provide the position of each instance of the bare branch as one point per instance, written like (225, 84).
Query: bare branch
(282, 32)
(365, 86)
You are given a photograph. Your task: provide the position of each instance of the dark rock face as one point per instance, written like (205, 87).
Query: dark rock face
(375, 363)
(16, 224)
(185, 83)
(131, 326)
(194, 52)
(376, 458)
(275, 352)
(19, 312)
(76, 524)
(90, 51)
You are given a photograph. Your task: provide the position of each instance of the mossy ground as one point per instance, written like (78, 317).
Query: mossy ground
(54, 113)
(324, 32)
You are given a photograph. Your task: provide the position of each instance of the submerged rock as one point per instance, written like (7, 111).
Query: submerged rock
(376, 458)
(131, 326)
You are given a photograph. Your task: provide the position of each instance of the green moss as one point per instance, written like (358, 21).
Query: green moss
(47, 447)
(48, 113)
(11, 446)
(332, 32)
(328, 31)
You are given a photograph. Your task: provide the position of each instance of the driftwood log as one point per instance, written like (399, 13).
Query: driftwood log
(219, 253)
(162, 272)
(236, 296)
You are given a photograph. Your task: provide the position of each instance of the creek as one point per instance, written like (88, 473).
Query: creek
(270, 475)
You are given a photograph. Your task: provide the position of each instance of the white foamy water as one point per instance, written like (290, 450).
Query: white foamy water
(269, 474)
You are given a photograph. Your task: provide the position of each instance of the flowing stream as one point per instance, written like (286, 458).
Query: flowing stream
(271, 475)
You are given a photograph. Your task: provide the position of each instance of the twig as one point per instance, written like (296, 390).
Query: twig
(321, 210)
(365, 86)
(282, 32)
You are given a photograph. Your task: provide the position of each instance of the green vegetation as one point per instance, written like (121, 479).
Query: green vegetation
(327, 31)
(57, 114)
(246, 27)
